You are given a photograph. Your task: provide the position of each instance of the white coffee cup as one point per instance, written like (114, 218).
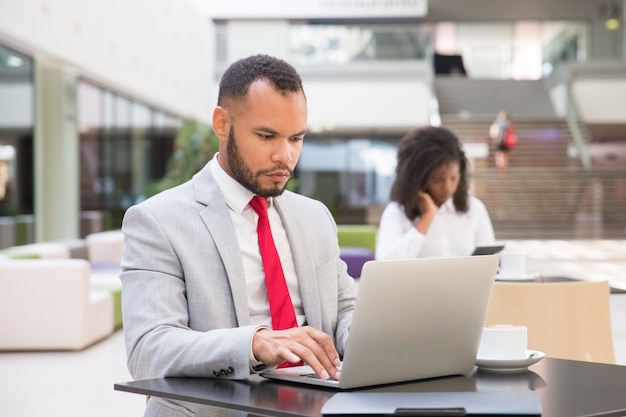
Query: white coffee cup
(512, 264)
(503, 341)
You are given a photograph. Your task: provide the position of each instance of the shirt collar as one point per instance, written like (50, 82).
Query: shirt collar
(448, 205)
(237, 196)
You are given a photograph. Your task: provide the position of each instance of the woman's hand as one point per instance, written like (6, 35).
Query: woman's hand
(428, 209)
(425, 203)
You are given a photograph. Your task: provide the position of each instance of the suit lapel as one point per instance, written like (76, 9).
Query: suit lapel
(217, 221)
(301, 252)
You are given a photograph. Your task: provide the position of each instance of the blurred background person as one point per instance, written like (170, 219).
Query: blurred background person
(430, 213)
(502, 134)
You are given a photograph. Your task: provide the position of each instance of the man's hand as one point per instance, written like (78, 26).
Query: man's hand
(299, 343)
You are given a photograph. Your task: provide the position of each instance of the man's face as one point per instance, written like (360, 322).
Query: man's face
(443, 182)
(265, 139)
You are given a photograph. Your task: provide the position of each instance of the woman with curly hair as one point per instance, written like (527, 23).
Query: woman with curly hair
(430, 213)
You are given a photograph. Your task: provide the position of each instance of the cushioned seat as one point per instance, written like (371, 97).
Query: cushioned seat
(107, 278)
(357, 235)
(43, 250)
(116, 293)
(6, 254)
(357, 244)
(567, 320)
(77, 248)
(48, 304)
(355, 258)
(105, 248)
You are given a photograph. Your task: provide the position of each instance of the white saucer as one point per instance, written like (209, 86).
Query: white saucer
(510, 365)
(517, 277)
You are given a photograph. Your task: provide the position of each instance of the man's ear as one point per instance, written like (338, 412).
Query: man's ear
(221, 122)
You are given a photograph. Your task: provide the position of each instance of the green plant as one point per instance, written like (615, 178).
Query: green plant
(196, 143)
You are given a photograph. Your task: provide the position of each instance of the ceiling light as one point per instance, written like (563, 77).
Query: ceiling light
(14, 61)
(612, 24)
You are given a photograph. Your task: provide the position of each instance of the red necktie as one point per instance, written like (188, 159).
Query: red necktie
(281, 307)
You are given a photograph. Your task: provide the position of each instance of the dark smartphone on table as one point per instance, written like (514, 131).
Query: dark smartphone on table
(488, 249)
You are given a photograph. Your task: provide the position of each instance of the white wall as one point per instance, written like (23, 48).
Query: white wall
(309, 9)
(486, 49)
(257, 36)
(371, 104)
(600, 101)
(365, 105)
(159, 51)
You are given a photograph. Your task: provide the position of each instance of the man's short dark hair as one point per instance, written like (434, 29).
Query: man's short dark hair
(241, 74)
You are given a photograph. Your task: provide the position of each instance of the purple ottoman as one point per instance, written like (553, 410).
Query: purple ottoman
(355, 258)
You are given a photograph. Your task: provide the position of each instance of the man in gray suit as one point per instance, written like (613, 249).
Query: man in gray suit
(194, 294)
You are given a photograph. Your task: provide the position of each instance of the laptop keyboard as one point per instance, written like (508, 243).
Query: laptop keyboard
(315, 376)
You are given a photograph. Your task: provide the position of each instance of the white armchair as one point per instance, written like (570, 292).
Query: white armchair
(48, 304)
(43, 250)
(105, 248)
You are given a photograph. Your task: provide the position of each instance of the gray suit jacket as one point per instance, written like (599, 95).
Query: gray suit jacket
(184, 297)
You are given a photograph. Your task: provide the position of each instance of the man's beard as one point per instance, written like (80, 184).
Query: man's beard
(245, 176)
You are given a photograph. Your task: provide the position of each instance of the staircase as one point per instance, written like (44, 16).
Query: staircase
(539, 196)
(541, 141)
(554, 203)
(545, 192)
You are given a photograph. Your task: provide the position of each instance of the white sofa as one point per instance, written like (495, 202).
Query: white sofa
(48, 304)
(43, 250)
(105, 248)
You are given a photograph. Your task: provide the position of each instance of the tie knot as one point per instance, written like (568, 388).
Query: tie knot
(259, 205)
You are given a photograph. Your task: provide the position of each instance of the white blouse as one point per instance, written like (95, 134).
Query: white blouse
(450, 234)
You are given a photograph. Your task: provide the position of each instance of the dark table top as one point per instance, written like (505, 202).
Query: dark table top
(543, 278)
(567, 388)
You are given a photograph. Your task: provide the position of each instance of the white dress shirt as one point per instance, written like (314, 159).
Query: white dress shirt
(245, 220)
(450, 234)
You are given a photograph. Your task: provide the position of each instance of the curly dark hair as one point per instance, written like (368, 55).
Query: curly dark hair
(238, 77)
(420, 152)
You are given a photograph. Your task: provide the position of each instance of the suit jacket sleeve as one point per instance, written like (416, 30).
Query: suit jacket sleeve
(165, 334)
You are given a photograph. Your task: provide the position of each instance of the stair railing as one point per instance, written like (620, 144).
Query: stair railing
(574, 126)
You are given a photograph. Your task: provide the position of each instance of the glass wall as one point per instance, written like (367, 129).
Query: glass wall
(16, 132)
(124, 145)
(564, 41)
(507, 49)
(334, 44)
(16, 148)
(351, 175)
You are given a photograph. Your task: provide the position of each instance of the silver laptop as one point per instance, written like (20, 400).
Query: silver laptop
(413, 319)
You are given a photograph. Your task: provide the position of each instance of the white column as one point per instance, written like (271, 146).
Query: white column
(56, 153)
